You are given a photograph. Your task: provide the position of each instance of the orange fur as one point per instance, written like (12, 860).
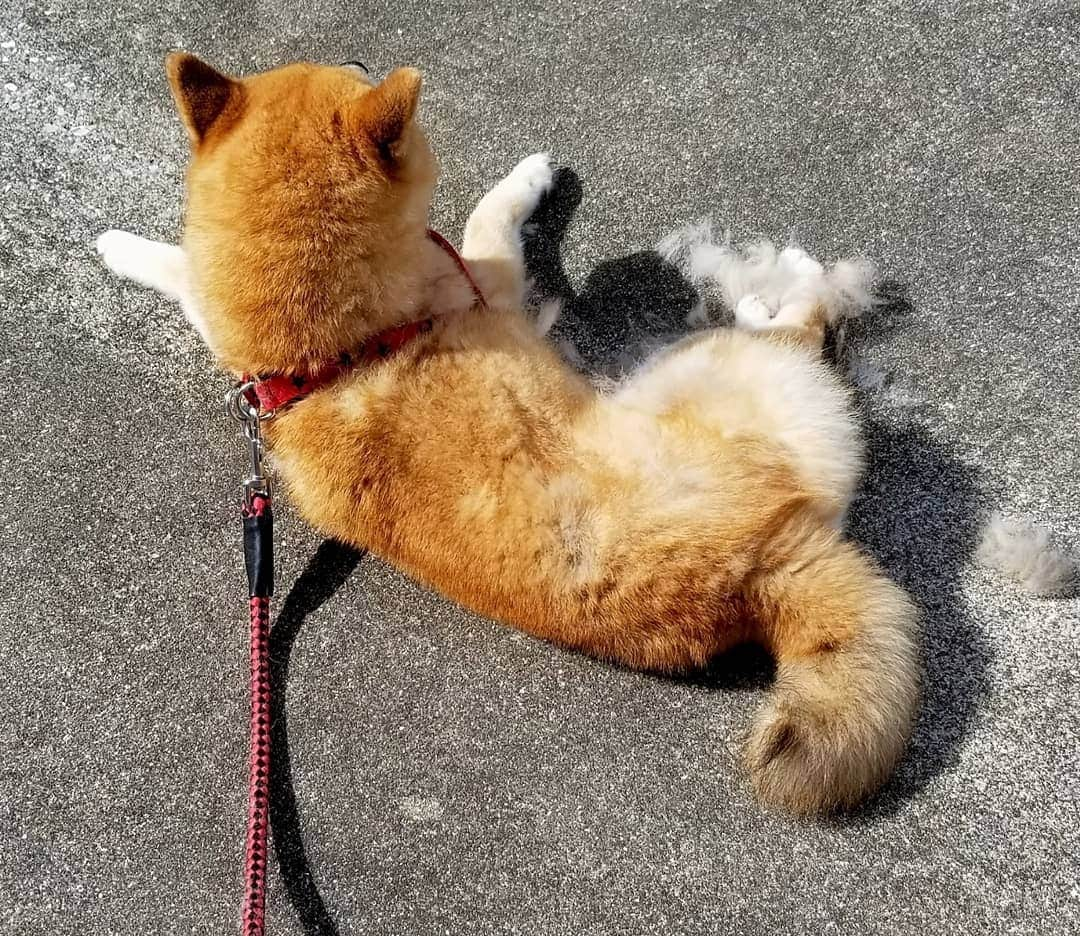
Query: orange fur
(654, 526)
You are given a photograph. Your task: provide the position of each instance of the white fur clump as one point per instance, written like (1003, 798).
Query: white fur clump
(867, 376)
(1022, 550)
(547, 315)
(781, 279)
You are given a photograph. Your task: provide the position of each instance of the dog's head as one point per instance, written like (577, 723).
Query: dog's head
(303, 181)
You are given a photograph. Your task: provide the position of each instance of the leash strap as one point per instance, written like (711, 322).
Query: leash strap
(259, 558)
(258, 524)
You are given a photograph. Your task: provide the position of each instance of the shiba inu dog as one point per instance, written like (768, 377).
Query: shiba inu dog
(696, 505)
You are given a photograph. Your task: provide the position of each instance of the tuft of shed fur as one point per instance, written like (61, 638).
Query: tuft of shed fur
(1022, 550)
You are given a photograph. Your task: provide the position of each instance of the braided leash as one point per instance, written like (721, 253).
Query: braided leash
(259, 559)
(259, 770)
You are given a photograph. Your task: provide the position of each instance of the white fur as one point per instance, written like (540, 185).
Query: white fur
(547, 315)
(160, 266)
(571, 354)
(686, 241)
(752, 313)
(163, 267)
(1022, 550)
(781, 286)
(742, 385)
(698, 316)
(867, 376)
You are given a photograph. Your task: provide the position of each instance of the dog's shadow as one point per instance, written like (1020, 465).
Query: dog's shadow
(917, 512)
(626, 306)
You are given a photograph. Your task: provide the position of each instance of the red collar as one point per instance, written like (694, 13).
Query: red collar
(271, 392)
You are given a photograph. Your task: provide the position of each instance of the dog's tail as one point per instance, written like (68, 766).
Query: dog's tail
(847, 681)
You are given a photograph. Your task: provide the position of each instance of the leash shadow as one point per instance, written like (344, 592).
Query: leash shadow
(324, 574)
(918, 512)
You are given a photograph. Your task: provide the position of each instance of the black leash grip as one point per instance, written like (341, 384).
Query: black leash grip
(259, 547)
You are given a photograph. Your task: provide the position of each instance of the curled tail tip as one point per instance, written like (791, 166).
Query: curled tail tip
(847, 689)
(808, 763)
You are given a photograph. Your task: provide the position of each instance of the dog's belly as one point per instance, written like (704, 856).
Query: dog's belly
(642, 566)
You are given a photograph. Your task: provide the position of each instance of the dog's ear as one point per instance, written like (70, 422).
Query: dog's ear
(202, 93)
(387, 110)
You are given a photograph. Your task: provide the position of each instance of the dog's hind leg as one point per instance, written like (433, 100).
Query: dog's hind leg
(799, 322)
(798, 309)
(790, 298)
(492, 242)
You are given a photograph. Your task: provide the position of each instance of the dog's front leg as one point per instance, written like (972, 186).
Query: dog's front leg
(160, 266)
(492, 242)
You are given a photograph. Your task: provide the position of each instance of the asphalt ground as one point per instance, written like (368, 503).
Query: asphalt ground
(438, 773)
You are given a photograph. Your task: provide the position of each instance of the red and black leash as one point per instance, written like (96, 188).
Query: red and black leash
(258, 550)
(258, 517)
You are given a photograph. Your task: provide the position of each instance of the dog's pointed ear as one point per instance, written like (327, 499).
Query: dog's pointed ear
(202, 93)
(387, 110)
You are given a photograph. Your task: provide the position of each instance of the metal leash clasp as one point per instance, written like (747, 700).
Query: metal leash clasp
(239, 407)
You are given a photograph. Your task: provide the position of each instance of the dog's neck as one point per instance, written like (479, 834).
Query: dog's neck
(271, 393)
(290, 314)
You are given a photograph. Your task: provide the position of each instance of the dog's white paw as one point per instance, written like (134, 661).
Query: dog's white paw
(534, 173)
(752, 313)
(525, 185)
(160, 266)
(121, 252)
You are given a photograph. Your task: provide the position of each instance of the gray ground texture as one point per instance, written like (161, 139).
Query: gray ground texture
(442, 774)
